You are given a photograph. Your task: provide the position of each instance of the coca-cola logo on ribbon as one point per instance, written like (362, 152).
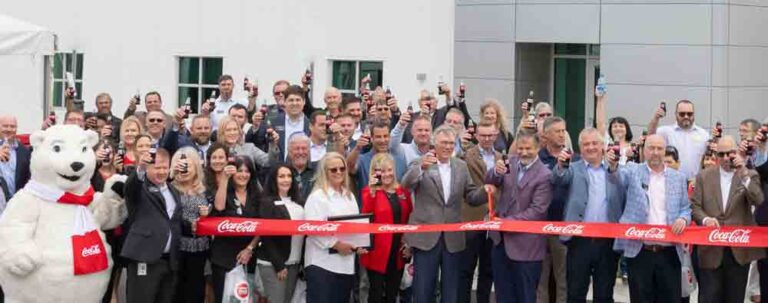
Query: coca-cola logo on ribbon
(324, 227)
(650, 233)
(241, 291)
(570, 229)
(487, 225)
(91, 251)
(232, 227)
(740, 236)
(398, 228)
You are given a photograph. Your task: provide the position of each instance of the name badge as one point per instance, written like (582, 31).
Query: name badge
(280, 128)
(153, 189)
(279, 202)
(142, 270)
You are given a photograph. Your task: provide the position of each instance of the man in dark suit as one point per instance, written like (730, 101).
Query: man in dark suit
(594, 195)
(151, 246)
(526, 192)
(287, 122)
(441, 184)
(724, 195)
(104, 107)
(480, 158)
(14, 157)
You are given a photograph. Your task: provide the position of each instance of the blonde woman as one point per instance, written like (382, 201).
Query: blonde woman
(230, 134)
(329, 262)
(389, 203)
(491, 111)
(187, 175)
(130, 130)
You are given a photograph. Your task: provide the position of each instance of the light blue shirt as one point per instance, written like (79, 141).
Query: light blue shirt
(489, 157)
(597, 208)
(8, 170)
(523, 169)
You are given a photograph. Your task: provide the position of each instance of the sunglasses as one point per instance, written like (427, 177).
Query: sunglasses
(155, 120)
(335, 170)
(724, 154)
(685, 114)
(545, 115)
(277, 93)
(383, 109)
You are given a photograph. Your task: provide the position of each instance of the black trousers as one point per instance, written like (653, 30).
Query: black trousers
(762, 268)
(654, 276)
(384, 287)
(158, 285)
(324, 286)
(191, 277)
(218, 275)
(727, 283)
(591, 258)
(477, 254)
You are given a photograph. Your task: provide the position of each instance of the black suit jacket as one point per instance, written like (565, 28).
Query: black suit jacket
(278, 123)
(275, 249)
(149, 222)
(23, 154)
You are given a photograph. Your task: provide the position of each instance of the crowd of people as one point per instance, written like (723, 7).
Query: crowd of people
(427, 163)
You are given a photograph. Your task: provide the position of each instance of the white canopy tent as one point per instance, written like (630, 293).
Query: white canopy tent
(23, 71)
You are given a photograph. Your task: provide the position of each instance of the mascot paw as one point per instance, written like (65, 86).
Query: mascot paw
(22, 265)
(113, 188)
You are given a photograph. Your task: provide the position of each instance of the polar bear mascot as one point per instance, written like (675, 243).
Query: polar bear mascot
(51, 245)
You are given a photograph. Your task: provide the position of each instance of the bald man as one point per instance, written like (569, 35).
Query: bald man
(725, 195)
(332, 99)
(655, 195)
(14, 156)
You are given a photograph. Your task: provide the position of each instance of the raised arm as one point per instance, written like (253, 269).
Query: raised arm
(600, 117)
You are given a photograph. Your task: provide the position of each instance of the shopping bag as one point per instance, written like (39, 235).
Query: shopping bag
(236, 288)
(407, 279)
(300, 293)
(688, 278)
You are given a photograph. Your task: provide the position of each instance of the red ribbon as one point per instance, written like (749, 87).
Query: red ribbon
(736, 236)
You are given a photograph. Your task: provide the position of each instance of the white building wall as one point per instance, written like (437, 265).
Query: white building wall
(714, 53)
(130, 45)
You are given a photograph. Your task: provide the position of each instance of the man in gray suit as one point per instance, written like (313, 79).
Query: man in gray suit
(440, 183)
(594, 196)
(526, 192)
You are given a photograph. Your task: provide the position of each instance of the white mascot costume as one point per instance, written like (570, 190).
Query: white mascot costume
(51, 245)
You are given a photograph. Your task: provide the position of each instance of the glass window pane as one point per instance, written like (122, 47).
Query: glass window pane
(594, 49)
(192, 93)
(68, 62)
(344, 75)
(58, 63)
(188, 70)
(212, 68)
(79, 69)
(79, 88)
(570, 49)
(58, 90)
(376, 69)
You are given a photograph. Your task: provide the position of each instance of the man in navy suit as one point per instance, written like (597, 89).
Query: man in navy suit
(594, 195)
(656, 195)
(14, 156)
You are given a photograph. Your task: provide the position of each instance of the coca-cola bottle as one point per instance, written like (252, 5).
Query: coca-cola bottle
(377, 175)
(663, 106)
(410, 107)
(137, 97)
(750, 147)
(232, 156)
(567, 161)
(718, 130)
(52, 117)
(462, 90)
(472, 129)
(270, 130)
(328, 123)
(388, 93)
(212, 101)
(615, 148)
(505, 158)
(764, 131)
(121, 150)
(187, 107)
(308, 75)
(440, 84)
(245, 83)
(107, 154)
(529, 102)
(184, 164)
(153, 154)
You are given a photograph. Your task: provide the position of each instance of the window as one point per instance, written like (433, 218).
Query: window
(347, 75)
(62, 64)
(198, 77)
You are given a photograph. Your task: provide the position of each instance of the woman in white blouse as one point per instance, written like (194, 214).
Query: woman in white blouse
(279, 257)
(329, 262)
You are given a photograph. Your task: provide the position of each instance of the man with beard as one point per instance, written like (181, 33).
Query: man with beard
(298, 159)
(199, 135)
(689, 139)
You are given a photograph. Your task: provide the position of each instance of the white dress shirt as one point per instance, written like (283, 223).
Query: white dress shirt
(657, 201)
(316, 151)
(445, 179)
(170, 207)
(725, 186)
(690, 143)
(319, 206)
(222, 110)
(489, 158)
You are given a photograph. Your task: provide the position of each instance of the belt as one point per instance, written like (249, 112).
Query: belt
(656, 248)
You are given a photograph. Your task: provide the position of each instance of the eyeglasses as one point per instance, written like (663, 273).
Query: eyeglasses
(685, 114)
(155, 120)
(383, 109)
(277, 93)
(340, 169)
(724, 154)
(545, 115)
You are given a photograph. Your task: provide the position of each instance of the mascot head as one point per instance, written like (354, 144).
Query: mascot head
(63, 157)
